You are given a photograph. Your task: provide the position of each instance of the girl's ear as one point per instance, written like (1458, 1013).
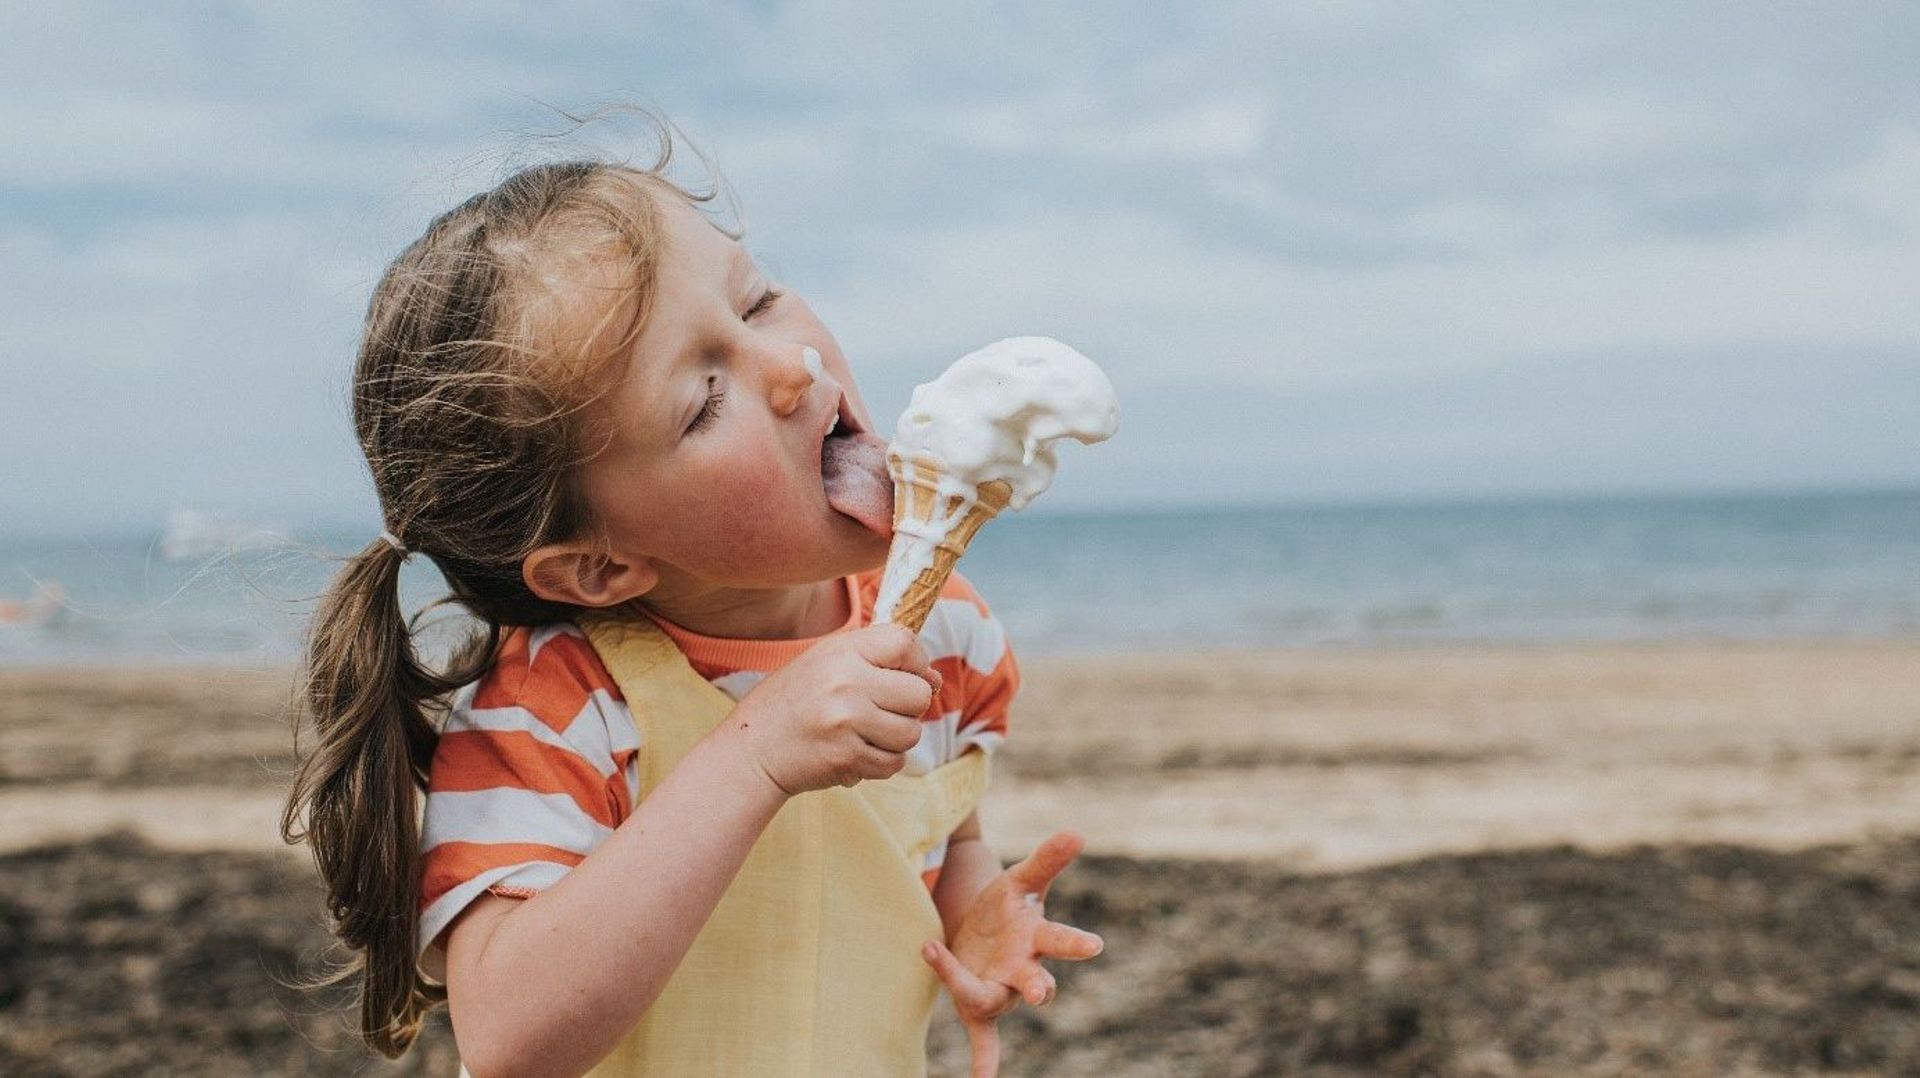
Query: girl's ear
(573, 573)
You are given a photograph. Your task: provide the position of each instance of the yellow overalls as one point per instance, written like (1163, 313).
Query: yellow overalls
(810, 964)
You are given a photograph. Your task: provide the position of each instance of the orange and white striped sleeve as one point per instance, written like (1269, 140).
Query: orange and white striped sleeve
(534, 769)
(978, 680)
(979, 675)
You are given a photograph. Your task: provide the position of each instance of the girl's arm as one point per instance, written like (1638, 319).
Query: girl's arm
(549, 984)
(971, 864)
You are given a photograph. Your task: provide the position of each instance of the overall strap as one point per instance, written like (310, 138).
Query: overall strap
(810, 964)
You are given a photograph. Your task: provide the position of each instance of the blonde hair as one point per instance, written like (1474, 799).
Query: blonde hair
(473, 378)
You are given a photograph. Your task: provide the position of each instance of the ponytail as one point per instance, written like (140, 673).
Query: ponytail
(470, 400)
(355, 797)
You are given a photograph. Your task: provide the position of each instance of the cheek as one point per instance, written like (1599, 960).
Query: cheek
(747, 532)
(747, 506)
(741, 500)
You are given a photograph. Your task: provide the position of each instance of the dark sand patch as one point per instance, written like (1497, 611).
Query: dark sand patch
(120, 959)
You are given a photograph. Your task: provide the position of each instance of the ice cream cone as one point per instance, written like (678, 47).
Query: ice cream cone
(934, 519)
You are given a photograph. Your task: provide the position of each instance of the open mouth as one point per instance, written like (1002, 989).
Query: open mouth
(853, 471)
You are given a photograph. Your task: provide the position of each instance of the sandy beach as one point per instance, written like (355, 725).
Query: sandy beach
(1311, 861)
(1316, 760)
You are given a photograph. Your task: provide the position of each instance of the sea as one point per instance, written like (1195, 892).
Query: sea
(1749, 567)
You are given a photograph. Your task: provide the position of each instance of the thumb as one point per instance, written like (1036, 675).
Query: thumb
(887, 644)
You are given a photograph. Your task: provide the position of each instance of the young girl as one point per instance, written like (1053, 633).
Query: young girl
(688, 812)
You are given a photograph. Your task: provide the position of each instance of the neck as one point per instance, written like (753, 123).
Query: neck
(791, 613)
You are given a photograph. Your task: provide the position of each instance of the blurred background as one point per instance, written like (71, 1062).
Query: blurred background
(1490, 646)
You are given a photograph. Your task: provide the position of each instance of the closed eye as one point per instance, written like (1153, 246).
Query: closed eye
(716, 394)
(767, 300)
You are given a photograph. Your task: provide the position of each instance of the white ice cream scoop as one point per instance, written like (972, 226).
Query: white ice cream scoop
(995, 413)
(978, 438)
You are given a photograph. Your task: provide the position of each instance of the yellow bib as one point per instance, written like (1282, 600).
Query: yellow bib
(810, 964)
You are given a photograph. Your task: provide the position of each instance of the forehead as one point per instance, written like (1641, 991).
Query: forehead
(700, 273)
(602, 294)
(691, 242)
(699, 276)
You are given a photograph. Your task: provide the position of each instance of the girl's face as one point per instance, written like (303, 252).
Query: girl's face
(714, 473)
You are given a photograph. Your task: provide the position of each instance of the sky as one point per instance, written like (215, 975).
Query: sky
(1327, 251)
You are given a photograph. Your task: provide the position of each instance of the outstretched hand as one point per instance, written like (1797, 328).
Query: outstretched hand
(994, 959)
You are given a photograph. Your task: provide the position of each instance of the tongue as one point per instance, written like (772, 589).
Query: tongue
(854, 470)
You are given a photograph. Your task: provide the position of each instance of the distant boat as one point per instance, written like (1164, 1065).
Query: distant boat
(35, 611)
(191, 535)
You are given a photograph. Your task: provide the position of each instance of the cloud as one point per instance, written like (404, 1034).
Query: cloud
(1323, 215)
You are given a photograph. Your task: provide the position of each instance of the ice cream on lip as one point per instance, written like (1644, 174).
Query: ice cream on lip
(979, 438)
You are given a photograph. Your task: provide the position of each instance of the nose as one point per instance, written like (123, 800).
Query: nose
(790, 376)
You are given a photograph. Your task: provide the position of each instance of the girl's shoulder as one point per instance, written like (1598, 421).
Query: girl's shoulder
(551, 670)
(534, 768)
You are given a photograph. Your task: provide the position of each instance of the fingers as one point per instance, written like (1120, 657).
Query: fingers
(900, 693)
(897, 648)
(889, 731)
(888, 645)
(1055, 940)
(979, 1003)
(877, 764)
(971, 995)
(1048, 860)
(983, 1040)
(1040, 987)
(920, 665)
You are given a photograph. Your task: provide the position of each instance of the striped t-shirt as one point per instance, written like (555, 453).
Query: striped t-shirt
(537, 762)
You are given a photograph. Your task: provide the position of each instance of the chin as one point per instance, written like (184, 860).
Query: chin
(842, 552)
(863, 551)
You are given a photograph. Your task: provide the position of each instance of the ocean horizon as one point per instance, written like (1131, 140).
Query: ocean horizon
(1546, 569)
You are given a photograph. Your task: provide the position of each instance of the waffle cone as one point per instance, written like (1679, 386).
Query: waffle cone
(921, 501)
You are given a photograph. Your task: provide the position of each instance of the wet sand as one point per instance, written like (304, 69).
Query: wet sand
(1604, 860)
